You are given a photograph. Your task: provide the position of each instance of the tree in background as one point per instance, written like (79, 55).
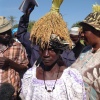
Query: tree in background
(31, 23)
(15, 26)
(12, 20)
(76, 24)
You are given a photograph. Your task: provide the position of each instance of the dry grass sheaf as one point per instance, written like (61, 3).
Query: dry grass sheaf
(51, 23)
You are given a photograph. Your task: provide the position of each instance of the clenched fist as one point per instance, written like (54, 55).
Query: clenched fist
(4, 62)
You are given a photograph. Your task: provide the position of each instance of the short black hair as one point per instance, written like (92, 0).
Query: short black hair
(6, 91)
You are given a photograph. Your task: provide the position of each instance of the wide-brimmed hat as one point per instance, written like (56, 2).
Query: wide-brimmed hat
(5, 25)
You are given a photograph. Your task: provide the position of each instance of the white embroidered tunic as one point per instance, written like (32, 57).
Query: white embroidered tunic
(69, 86)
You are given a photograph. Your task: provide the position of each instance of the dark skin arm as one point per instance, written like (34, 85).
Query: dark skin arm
(5, 62)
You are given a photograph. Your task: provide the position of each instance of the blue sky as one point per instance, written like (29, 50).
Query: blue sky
(72, 10)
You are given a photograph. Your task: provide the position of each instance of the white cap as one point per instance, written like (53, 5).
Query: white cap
(74, 31)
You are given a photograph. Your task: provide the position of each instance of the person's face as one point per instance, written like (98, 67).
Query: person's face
(88, 35)
(74, 38)
(5, 37)
(49, 56)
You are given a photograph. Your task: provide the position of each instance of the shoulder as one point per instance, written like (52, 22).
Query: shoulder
(72, 71)
(30, 72)
(74, 82)
(17, 44)
(26, 81)
(74, 74)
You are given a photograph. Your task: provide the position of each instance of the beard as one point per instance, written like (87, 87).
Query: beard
(5, 41)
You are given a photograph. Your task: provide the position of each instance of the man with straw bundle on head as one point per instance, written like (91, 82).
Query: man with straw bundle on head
(50, 79)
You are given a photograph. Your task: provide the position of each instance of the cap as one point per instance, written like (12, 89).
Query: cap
(74, 31)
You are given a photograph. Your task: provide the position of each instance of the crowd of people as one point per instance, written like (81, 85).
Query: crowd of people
(51, 62)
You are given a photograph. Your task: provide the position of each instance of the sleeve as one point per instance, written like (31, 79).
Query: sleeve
(79, 86)
(75, 85)
(20, 54)
(26, 85)
(30, 92)
(26, 90)
(68, 57)
(22, 28)
(22, 34)
(23, 57)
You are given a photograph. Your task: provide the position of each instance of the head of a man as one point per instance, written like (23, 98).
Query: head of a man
(5, 31)
(74, 34)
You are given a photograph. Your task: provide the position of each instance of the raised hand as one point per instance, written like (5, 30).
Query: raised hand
(30, 8)
(4, 62)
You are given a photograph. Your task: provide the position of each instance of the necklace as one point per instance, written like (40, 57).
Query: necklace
(54, 83)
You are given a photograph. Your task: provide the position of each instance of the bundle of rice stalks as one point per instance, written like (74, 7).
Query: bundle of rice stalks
(51, 23)
(96, 8)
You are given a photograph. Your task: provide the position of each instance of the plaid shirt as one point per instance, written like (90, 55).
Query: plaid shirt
(16, 53)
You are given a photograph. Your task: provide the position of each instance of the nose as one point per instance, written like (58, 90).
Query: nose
(6, 35)
(82, 35)
(45, 53)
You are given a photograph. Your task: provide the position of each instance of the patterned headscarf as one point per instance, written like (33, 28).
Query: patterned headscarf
(93, 19)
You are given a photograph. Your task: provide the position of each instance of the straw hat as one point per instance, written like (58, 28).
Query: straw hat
(5, 25)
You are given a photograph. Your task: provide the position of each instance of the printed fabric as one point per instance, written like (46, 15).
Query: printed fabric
(88, 64)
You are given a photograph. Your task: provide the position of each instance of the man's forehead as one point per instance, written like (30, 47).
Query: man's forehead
(6, 32)
(71, 35)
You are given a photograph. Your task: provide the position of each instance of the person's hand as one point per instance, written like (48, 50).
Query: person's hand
(4, 62)
(30, 9)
